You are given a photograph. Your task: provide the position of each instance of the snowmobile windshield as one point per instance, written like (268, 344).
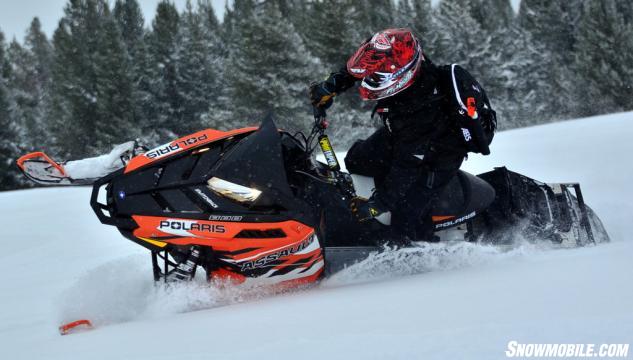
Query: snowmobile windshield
(257, 162)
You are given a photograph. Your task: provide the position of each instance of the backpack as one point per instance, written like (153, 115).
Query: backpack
(477, 119)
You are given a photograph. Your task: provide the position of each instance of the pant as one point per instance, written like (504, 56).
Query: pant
(405, 183)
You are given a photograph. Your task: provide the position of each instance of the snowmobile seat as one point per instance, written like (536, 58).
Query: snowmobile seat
(464, 195)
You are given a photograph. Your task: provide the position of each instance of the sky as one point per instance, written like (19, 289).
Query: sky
(16, 15)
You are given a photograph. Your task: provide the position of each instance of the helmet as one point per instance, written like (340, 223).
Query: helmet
(388, 63)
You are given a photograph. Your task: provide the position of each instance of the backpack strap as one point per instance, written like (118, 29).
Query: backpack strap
(473, 110)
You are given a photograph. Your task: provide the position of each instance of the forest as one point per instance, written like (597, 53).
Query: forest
(106, 75)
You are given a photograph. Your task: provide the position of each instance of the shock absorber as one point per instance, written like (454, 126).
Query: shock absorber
(328, 152)
(186, 270)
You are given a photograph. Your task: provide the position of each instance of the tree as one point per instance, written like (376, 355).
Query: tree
(271, 67)
(553, 26)
(459, 36)
(29, 81)
(162, 44)
(131, 24)
(517, 80)
(9, 176)
(492, 15)
(604, 54)
(371, 16)
(197, 79)
(92, 101)
(334, 45)
(422, 21)
(116, 120)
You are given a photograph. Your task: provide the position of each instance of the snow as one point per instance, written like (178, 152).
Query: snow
(437, 302)
(99, 166)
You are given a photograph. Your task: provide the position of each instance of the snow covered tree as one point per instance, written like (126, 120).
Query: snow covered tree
(404, 15)
(196, 77)
(216, 54)
(271, 67)
(116, 120)
(9, 176)
(517, 79)
(604, 54)
(131, 22)
(330, 33)
(422, 13)
(552, 25)
(371, 16)
(92, 98)
(162, 45)
(73, 97)
(460, 38)
(29, 82)
(492, 15)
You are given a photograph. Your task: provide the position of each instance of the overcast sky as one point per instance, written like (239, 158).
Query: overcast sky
(16, 15)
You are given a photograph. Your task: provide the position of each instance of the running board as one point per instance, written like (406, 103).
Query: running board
(338, 258)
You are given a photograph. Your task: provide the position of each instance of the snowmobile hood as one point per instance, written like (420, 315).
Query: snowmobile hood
(180, 145)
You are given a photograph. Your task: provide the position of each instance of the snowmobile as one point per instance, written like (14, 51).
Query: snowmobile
(253, 205)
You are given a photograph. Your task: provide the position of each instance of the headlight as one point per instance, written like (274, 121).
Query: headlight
(233, 191)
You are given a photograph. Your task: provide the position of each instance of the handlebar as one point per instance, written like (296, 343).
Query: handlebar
(342, 180)
(320, 118)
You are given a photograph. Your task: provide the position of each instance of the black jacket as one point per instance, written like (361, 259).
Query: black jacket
(428, 127)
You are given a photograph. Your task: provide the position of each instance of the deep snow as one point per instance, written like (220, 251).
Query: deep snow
(439, 302)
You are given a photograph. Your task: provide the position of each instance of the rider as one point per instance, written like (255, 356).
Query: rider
(432, 115)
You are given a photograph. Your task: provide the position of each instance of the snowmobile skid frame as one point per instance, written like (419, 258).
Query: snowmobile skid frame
(584, 216)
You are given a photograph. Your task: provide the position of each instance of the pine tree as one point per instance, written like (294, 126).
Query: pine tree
(9, 176)
(30, 81)
(492, 15)
(553, 26)
(196, 78)
(73, 97)
(331, 34)
(518, 82)
(19, 87)
(216, 54)
(162, 44)
(92, 99)
(604, 54)
(422, 21)
(404, 16)
(271, 67)
(116, 120)
(459, 37)
(371, 16)
(131, 23)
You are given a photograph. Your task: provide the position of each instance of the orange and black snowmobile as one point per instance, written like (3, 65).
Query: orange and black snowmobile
(254, 206)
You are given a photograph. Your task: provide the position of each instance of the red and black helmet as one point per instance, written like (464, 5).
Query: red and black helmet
(388, 63)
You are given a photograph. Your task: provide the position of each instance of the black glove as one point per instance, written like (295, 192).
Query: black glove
(320, 95)
(366, 209)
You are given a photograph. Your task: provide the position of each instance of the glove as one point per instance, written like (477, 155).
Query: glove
(366, 209)
(320, 95)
